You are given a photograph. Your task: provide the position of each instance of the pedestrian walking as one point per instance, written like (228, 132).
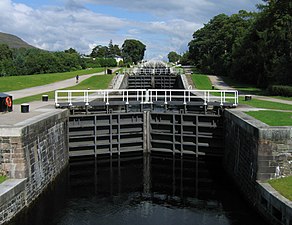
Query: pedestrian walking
(77, 78)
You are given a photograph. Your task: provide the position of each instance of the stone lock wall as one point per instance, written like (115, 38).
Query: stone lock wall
(256, 152)
(37, 152)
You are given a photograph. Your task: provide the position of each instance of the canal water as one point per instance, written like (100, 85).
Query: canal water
(141, 190)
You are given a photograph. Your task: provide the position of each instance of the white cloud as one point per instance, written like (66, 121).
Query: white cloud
(199, 11)
(73, 25)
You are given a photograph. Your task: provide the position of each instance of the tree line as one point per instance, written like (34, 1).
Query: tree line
(132, 51)
(27, 61)
(253, 47)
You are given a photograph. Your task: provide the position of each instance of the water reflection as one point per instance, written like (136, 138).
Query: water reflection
(142, 190)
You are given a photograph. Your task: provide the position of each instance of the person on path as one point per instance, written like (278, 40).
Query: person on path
(77, 78)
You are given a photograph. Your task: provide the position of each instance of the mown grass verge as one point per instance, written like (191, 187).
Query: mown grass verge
(13, 83)
(283, 186)
(246, 88)
(93, 83)
(2, 178)
(272, 118)
(201, 81)
(265, 104)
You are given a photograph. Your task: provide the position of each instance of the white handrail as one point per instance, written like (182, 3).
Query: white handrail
(146, 96)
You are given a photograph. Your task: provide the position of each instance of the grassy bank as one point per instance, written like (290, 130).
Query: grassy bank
(283, 186)
(93, 83)
(242, 87)
(20, 82)
(272, 118)
(265, 104)
(201, 81)
(2, 178)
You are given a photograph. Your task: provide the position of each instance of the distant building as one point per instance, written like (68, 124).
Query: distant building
(118, 59)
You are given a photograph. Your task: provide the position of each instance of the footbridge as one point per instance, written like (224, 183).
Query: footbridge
(152, 97)
(171, 119)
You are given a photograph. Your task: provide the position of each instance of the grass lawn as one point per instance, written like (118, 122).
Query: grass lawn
(265, 104)
(283, 186)
(201, 81)
(282, 97)
(246, 88)
(95, 82)
(13, 83)
(2, 178)
(272, 118)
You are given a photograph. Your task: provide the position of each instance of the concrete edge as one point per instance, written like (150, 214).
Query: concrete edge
(10, 188)
(267, 187)
(248, 119)
(16, 130)
(10, 131)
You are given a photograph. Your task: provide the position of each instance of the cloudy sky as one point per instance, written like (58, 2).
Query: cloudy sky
(163, 26)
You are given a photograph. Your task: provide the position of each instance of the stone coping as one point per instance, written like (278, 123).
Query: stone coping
(276, 194)
(10, 188)
(12, 123)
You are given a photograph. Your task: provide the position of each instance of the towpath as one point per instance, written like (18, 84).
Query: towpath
(51, 87)
(218, 83)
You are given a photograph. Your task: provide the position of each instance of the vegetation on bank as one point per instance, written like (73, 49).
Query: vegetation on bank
(252, 47)
(201, 81)
(265, 104)
(244, 87)
(93, 83)
(13, 83)
(283, 186)
(272, 118)
(2, 178)
(29, 61)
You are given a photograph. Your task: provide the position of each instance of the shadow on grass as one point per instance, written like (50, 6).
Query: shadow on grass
(245, 88)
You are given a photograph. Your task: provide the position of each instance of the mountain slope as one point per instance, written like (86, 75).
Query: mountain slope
(13, 41)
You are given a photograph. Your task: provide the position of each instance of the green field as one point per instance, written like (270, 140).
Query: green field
(13, 83)
(272, 118)
(93, 83)
(283, 186)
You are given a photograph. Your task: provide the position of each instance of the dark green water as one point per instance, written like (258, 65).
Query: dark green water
(142, 190)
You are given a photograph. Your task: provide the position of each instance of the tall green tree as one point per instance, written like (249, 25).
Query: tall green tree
(212, 46)
(100, 52)
(133, 51)
(173, 57)
(113, 50)
(264, 56)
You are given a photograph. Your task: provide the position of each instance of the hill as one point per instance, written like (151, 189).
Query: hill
(13, 41)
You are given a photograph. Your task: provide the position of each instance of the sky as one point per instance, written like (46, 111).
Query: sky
(163, 26)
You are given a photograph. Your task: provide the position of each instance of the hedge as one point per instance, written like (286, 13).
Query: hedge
(280, 90)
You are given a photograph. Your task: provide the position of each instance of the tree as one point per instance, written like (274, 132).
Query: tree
(185, 59)
(212, 46)
(173, 57)
(133, 51)
(100, 52)
(264, 55)
(5, 52)
(113, 50)
(71, 51)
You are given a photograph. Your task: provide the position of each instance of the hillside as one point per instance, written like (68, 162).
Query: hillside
(13, 41)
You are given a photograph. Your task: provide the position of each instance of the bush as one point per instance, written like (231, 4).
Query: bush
(280, 90)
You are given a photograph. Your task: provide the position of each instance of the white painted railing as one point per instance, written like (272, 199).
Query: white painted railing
(146, 96)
